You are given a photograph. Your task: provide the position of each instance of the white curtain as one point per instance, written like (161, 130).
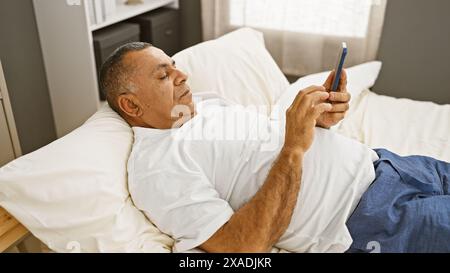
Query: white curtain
(303, 36)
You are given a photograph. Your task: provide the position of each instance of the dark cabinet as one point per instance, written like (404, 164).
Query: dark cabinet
(161, 28)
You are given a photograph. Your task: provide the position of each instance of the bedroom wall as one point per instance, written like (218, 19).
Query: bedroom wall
(21, 56)
(415, 50)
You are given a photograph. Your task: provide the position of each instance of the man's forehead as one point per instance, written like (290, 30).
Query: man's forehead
(152, 57)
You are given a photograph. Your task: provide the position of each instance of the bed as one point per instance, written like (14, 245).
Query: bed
(73, 196)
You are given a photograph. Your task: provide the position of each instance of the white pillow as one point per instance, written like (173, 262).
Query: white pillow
(73, 196)
(237, 66)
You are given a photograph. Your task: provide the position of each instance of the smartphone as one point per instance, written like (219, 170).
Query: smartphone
(339, 66)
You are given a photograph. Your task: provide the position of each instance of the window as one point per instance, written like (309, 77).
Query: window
(349, 18)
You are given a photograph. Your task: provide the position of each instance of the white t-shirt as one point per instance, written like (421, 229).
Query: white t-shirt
(189, 181)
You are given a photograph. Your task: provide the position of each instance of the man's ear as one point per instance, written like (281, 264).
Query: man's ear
(129, 105)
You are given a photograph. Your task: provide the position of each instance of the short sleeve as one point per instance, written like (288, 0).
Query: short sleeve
(181, 204)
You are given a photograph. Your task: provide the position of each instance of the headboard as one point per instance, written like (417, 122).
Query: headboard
(415, 51)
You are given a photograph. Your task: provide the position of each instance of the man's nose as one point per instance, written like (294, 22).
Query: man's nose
(181, 77)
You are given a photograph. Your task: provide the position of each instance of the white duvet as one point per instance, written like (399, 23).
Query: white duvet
(403, 126)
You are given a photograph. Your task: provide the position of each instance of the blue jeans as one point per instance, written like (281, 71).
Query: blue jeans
(406, 209)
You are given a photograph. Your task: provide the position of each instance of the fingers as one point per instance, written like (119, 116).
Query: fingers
(343, 81)
(340, 97)
(312, 99)
(331, 119)
(308, 91)
(319, 109)
(317, 97)
(340, 107)
(336, 117)
(329, 81)
(311, 102)
(313, 88)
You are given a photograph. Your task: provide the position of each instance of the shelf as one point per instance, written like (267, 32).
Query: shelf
(72, 78)
(124, 12)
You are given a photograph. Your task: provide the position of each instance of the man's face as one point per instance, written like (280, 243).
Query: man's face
(160, 89)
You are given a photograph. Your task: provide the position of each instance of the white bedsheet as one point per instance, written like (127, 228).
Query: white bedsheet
(403, 126)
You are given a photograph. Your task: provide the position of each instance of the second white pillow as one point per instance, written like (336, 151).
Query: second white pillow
(236, 66)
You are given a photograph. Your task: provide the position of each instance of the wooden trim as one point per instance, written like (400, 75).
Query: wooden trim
(11, 231)
(9, 114)
(7, 222)
(13, 237)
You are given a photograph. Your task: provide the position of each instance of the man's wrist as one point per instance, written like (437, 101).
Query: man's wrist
(292, 153)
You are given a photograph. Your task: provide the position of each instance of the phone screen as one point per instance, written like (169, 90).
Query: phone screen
(339, 66)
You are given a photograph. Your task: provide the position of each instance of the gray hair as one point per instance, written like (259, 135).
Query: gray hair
(114, 74)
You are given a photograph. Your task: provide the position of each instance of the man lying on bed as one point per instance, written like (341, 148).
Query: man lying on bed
(224, 179)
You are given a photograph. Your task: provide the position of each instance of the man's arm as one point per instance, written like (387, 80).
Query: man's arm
(260, 223)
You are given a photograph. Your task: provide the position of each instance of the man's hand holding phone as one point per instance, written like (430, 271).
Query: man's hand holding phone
(339, 98)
